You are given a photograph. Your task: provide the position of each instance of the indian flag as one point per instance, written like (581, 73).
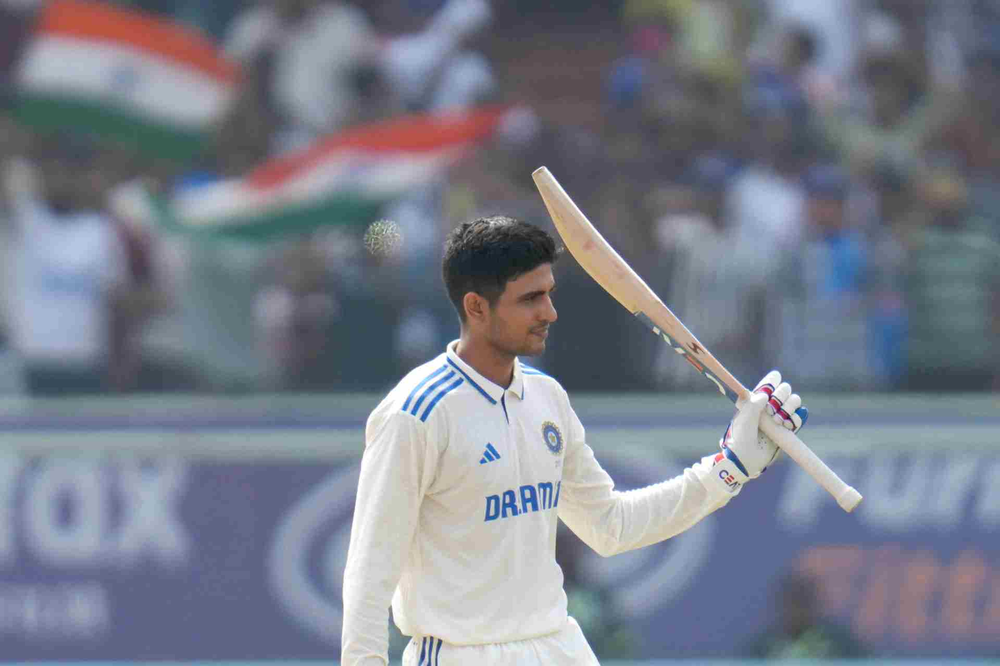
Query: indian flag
(123, 74)
(343, 179)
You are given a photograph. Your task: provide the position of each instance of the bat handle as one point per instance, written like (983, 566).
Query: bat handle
(847, 497)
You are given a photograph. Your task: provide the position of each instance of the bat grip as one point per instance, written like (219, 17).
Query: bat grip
(847, 497)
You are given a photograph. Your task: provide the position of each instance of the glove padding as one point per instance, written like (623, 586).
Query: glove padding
(784, 407)
(749, 449)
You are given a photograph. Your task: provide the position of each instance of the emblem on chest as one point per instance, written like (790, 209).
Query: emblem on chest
(552, 437)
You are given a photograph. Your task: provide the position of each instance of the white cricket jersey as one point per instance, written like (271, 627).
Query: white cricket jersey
(455, 522)
(65, 266)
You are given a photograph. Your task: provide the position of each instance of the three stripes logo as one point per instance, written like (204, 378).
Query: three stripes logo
(444, 382)
(430, 650)
(489, 455)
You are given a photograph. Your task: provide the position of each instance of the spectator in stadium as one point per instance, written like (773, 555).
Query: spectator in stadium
(888, 207)
(296, 316)
(70, 266)
(668, 96)
(767, 198)
(649, 57)
(141, 297)
(707, 275)
(834, 23)
(434, 68)
(824, 315)
(800, 631)
(952, 285)
(898, 110)
(310, 56)
(971, 136)
(13, 141)
(794, 67)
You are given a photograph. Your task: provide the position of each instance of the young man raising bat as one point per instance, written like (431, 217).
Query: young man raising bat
(474, 456)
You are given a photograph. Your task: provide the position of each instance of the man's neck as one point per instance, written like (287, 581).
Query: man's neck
(486, 360)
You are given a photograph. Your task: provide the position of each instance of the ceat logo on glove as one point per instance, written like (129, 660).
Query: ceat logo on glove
(725, 474)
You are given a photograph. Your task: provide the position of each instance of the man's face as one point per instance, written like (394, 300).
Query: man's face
(519, 322)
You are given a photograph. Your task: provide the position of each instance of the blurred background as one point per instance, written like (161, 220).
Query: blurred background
(221, 225)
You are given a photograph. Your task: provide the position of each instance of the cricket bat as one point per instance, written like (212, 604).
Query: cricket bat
(617, 278)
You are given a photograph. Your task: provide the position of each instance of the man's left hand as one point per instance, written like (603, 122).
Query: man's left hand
(749, 449)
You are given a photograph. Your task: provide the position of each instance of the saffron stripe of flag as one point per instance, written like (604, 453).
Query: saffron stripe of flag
(342, 179)
(126, 74)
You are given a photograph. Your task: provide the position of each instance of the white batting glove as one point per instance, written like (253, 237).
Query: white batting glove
(748, 449)
(784, 406)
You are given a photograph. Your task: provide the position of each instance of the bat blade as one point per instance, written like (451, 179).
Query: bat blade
(613, 273)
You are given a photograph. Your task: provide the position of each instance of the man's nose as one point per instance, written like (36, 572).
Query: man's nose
(550, 314)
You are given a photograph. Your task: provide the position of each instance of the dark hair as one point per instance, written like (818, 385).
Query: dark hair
(482, 256)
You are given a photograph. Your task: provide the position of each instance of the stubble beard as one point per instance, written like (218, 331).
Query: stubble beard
(537, 349)
(526, 347)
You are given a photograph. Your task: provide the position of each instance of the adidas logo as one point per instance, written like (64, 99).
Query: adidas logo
(489, 455)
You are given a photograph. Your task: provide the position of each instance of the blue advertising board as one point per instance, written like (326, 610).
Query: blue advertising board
(914, 571)
(165, 557)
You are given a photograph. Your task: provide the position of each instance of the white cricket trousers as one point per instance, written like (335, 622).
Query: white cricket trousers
(567, 647)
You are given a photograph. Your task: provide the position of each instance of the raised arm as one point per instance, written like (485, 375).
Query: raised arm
(612, 521)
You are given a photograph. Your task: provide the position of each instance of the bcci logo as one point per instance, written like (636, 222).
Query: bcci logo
(552, 437)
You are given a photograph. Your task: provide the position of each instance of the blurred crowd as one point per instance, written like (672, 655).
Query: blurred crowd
(812, 185)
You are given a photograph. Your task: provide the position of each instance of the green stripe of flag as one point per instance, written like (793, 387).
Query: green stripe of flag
(53, 112)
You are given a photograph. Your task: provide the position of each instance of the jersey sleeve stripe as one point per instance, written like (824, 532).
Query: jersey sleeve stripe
(406, 405)
(430, 389)
(423, 651)
(478, 387)
(437, 653)
(447, 389)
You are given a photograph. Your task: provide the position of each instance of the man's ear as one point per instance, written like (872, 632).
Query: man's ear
(475, 306)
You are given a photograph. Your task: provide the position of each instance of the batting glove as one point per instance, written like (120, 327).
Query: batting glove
(748, 449)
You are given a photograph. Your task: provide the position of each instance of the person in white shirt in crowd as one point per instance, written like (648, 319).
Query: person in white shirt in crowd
(434, 69)
(69, 269)
(473, 457)
(312, 53)
(766, 198)
(709, 276)
(836, 24)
